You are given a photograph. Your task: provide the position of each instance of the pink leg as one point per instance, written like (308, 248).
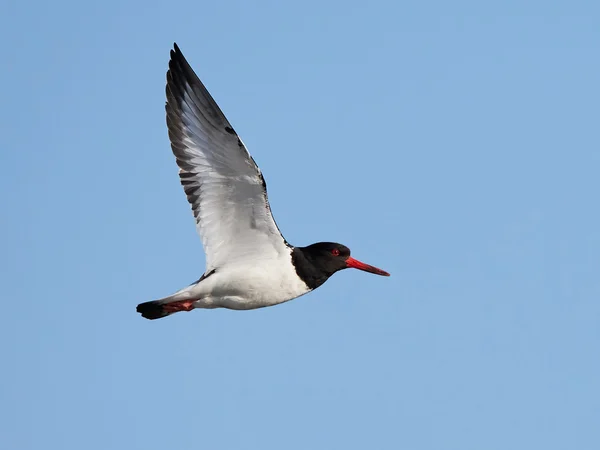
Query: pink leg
(183, 305)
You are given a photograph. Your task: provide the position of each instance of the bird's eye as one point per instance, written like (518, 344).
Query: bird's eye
(335, 252)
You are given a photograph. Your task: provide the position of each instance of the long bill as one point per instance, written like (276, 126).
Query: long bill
(356, 264)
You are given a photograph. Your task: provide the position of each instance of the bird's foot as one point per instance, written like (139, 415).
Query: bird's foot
(182, 305)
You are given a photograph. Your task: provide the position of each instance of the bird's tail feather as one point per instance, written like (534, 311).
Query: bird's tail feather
(152, 310)
(156, 309)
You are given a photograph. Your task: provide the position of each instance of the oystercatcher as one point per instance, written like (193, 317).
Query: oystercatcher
(249, 264)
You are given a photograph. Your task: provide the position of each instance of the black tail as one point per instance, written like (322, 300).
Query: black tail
(152, 310)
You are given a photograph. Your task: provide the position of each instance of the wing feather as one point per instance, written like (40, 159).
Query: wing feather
(225, 188)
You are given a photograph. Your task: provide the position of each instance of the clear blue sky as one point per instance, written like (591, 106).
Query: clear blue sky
(454, 144)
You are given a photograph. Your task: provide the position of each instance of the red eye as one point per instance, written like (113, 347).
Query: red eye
(335, 252)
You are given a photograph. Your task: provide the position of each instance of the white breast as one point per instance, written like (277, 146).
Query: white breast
(265, 283)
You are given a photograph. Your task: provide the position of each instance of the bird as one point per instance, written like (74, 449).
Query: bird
(249, 264)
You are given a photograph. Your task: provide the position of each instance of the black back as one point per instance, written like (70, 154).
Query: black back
(317, 262)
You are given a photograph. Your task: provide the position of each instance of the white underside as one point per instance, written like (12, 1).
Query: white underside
(265, 283)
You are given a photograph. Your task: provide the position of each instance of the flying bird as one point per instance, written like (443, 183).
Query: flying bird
(249, 264)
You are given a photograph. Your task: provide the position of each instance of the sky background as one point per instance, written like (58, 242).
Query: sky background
(453, 144)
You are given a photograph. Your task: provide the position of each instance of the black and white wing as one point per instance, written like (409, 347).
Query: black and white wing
(222, 182)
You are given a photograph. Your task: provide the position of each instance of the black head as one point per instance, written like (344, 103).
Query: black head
(317, 262)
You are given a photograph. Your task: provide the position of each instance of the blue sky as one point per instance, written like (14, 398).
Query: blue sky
(453, 144)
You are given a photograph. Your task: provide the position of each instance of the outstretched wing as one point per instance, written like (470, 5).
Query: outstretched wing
(222, 182)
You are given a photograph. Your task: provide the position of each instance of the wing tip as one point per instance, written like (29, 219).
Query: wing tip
(176, 52)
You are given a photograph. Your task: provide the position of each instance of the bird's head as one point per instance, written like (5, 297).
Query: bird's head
(331, 257)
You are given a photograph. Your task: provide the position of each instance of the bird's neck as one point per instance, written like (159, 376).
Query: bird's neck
(306, 269)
